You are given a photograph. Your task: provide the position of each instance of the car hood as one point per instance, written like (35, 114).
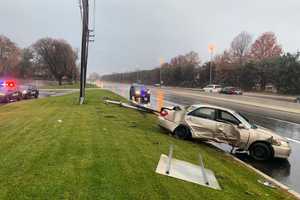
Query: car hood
(264, 132)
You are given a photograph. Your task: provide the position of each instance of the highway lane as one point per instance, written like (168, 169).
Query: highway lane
(285, 123)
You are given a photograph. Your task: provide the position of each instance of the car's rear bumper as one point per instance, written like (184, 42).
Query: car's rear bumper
(166, 124)
(2, 98)
(281, 151)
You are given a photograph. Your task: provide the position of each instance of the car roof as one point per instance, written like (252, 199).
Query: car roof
(27, 85)
(212, 106)
(213, 85)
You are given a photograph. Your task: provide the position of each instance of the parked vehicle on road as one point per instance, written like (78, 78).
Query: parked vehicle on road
(213, 88)
(231, 90)
(29, 91)
(139, 93)
(297, 100)
(9, 91)
(223, 125)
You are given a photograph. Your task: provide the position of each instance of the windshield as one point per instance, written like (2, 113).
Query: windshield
(253, 126)
(24, 87)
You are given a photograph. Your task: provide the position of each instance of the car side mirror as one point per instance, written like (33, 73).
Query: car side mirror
(241, 126)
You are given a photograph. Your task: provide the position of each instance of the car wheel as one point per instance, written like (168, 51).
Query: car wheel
(19, 98)
(182, 132)
(261, 151)
(7, 100)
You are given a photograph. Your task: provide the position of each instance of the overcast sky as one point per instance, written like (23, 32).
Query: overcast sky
(135, 34)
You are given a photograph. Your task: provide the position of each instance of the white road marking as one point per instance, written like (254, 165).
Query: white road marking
(280, 120)
(292, 140)
(257, 104)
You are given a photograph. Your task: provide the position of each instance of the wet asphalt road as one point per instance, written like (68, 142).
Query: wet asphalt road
(284, 123)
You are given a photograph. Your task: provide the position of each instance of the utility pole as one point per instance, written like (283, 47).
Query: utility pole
(86, 35)
(161, 62)
(211, 49)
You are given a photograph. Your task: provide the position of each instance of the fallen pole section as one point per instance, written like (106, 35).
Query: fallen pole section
(133, 105)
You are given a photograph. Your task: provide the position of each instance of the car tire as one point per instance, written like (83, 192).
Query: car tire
(183, 132)
(261, 151)
(19, 98)
(7, 100)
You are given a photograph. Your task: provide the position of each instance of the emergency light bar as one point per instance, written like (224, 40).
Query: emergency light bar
(8, 83)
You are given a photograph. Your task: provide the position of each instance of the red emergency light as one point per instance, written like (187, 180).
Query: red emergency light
(10, 83)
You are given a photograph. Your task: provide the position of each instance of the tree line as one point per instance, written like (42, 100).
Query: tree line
(246, 64)
(46, 59)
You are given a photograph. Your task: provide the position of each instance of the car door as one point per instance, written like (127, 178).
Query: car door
(227, 127)
(29, 91)
(33, 91)
(202, 122)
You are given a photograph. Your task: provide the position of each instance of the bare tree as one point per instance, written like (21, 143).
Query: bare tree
(9, 56)
(226, 60)
(57, 55)
(26, 65)
(192, 58)
(265, 47)
(240, 46)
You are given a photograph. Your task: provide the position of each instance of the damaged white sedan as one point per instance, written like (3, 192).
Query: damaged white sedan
(223, 125)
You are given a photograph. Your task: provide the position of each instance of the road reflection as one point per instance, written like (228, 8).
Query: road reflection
(277, 168)
(160, 96)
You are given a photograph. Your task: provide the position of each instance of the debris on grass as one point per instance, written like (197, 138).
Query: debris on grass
(266, 183)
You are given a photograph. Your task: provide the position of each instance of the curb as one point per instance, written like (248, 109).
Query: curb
(270, 179)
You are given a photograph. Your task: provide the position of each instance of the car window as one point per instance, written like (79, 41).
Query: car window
(190, 108)
(206, 113)
(228, 117)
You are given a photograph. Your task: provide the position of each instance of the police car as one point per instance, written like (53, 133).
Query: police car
(9, 91)
(139, 93)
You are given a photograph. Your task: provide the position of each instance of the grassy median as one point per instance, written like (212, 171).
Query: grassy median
(67, 86)
(53, 148)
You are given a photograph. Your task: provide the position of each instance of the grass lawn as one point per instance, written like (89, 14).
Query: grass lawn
(101, 151)
(67, 86)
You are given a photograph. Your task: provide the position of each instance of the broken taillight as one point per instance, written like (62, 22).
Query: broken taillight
(163, 113)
